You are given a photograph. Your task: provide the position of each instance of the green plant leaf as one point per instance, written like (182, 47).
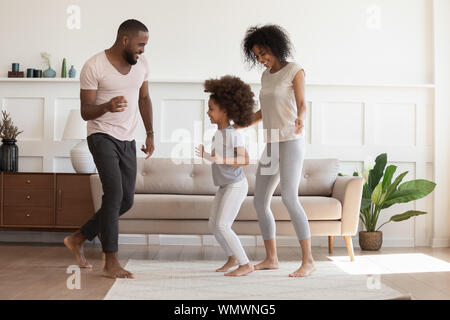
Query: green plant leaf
(377, 172)
(355, 174)
(409, 191)
(366, 214)
(377, 194)
(422, 186)
(365, 203)
(401, 196)
(388, 174)
(367, 192)
(394, 185)
(406, 215)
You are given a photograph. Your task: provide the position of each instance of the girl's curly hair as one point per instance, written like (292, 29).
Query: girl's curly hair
(270, 36)
(234, 96)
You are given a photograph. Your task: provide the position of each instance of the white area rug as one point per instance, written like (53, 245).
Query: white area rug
(192, 280)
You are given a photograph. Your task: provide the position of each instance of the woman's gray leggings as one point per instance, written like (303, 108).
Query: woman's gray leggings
(281, 162)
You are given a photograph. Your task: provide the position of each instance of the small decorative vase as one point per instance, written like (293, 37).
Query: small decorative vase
(371, 241)
(9, 156)
(63, 69)
(49, 73)
(72, 72)
(81, 158)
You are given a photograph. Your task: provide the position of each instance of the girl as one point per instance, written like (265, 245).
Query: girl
(231, 99)
(282, 99)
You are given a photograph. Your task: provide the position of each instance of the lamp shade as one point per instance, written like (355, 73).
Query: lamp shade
(75, 126)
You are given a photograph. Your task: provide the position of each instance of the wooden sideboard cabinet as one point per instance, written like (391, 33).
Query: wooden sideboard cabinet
(45, 200)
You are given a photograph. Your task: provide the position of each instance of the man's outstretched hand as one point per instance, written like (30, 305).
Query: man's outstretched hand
(149, 147)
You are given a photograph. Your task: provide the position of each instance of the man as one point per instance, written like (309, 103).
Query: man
(113, 84)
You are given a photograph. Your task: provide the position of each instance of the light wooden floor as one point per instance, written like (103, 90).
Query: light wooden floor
(38, 271)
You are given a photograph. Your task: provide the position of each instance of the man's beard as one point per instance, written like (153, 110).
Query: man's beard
(129, 57)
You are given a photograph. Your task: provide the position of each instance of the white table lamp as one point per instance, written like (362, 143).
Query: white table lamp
(80, 155)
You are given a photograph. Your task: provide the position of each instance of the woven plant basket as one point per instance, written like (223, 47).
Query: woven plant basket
(371, 241)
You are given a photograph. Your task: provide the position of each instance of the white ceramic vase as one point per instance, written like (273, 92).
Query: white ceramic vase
(81, 158)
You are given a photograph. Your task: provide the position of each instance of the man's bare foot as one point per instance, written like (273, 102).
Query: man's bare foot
(74, 243)
(232, 261)
(241, 271)
(305, 270)
(113, 269)
(267, 264)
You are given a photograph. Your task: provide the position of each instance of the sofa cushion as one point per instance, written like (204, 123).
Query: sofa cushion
(193, 177)
(169, 207)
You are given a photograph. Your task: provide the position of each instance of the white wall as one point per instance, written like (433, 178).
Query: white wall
(380, 100)
(336, 41)
(441, 121)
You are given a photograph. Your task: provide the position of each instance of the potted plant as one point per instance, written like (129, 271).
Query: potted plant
(9, 152)
(49, 73)
(379, 193)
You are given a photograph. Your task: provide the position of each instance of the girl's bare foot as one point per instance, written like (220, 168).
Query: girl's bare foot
(113, 269)
(74, 243)
(305, 270)
(232, 261)
(241, 271)
(268, 264)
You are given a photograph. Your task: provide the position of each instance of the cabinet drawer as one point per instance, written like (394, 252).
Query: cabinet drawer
(28, 181)
(28, 216)
(28, 197)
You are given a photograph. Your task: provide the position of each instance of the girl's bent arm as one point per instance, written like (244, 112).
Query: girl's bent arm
(241, 159)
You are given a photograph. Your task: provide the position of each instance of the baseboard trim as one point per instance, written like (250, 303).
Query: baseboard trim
(32, 236)
(209, 240)
(441, 243)
(206, 240)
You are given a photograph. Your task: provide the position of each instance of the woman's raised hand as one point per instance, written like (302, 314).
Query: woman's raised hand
(298, 126)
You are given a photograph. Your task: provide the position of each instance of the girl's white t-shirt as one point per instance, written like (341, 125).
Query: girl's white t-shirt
(278, 104)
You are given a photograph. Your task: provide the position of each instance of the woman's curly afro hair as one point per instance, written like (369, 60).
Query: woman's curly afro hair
(269, 36)
(234, 96)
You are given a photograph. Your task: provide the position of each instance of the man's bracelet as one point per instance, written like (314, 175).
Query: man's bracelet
(150, 132)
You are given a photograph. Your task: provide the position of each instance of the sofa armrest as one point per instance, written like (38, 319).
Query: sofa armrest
(96, 191)
(348, 190)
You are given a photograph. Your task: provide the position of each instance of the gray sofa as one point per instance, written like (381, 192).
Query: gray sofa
(174, 196)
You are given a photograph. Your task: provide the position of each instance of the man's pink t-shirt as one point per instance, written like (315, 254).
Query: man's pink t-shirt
(99, 74)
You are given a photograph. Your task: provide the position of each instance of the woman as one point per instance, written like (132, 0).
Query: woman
(282, 100)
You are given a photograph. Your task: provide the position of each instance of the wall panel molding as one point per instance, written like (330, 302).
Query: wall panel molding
(342, 121)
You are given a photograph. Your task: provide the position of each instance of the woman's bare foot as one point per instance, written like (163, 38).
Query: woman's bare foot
(232, 261)
(268, 264)
(241, 271)
(305, 270)
(113, 269)
(74, 243)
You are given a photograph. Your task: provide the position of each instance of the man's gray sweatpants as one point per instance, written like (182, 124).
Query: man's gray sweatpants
(116, 165)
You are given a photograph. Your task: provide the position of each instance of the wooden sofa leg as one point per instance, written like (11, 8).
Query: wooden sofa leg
(349, 245)
(330, 244)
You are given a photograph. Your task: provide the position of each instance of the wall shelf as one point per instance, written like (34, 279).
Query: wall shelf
(39, 80)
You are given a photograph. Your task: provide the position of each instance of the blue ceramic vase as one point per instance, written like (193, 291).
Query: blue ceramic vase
(72, 72)
(49, 73)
